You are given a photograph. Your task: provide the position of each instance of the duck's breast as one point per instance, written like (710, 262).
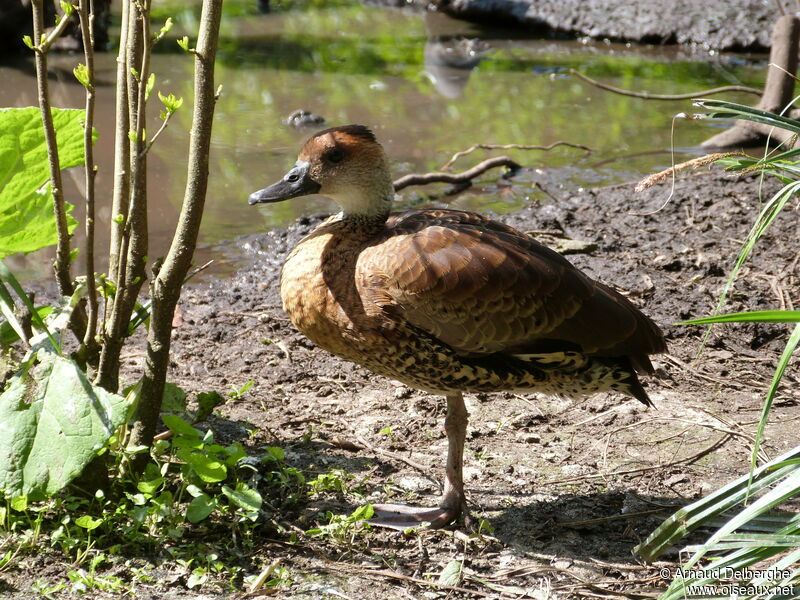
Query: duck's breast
(320, 295)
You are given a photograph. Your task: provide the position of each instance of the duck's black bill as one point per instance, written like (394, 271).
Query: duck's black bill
(295, 183)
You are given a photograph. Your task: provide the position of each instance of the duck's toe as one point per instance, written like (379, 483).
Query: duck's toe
(402, 517)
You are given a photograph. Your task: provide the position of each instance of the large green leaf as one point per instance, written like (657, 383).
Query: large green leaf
(26, 198)
(52, 422)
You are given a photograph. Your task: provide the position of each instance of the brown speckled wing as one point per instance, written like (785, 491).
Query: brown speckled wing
(482, 287)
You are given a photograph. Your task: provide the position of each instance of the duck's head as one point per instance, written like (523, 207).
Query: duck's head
(345, 163)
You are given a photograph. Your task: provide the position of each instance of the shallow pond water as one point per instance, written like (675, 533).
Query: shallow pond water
(426, 84)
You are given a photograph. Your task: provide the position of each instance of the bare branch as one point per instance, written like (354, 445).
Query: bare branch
(86, 14)
(133, 236)
(61, 265)
(648, 96)
(166, 286)
(119, 203)
(446, 166)
(158, 133)
(44, 44)
(463, 177)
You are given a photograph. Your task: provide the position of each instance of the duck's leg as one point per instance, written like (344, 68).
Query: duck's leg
(399, 516)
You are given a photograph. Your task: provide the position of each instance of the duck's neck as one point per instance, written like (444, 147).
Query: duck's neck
(366, 207)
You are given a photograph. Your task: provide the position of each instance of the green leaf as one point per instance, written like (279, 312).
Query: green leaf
(150, 487)
(207, 402)
(275, 453)
(82, 74)
(7, 334)
(26, 199)
(788, 350)
(7, 307)
(26, 39)
(183, 43)
(7, 277)
(66, 7)
(451, 574)
(234, 453)
(87, 522)
(200, 507)
(170, 102)
(20, 503)
(165, 29)
(731, 110)
(180, 427)
(208, 468)
(244, 497)
(148, 89)
(52, 423)
(362, 513)
(174, 399)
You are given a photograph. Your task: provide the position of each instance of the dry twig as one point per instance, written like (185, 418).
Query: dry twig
(446, 166)
(611, 518)
(687, 460)
(386, 573)
(648, 96)
(391, 455)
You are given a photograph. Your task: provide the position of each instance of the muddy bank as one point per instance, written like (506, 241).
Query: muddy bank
(713, 24)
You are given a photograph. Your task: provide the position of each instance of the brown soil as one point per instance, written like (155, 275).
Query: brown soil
(569, 487)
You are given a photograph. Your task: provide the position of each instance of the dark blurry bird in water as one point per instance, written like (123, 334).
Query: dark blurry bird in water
(447, 301)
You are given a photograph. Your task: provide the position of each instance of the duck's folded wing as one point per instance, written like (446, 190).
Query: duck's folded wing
(481, 287)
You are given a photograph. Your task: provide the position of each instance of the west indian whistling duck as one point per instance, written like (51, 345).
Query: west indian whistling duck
(447, 301)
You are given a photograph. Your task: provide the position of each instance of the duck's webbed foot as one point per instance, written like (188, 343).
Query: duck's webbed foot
(402, 517)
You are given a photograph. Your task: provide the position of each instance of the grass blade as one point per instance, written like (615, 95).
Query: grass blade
(6, 276)
(788, 350)
(759, 316)
(688, 518)
(731, 110)
(7, 307)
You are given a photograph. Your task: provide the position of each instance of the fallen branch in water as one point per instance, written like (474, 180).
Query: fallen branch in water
(458, 155)
(463, 177)
(648, 96)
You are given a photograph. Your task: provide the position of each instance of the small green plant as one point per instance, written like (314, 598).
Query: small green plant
(343, 529)
(47, 590)
(238, 393)
(332, 482)
(188, 481)
(84, 581)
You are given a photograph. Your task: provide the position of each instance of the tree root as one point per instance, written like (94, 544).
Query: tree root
(778, 91)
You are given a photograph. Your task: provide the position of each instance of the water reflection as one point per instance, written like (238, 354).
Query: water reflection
(449, 60)
(429, 86)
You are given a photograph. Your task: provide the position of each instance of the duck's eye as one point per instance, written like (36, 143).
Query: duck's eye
(335, 155)
(292, 177)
